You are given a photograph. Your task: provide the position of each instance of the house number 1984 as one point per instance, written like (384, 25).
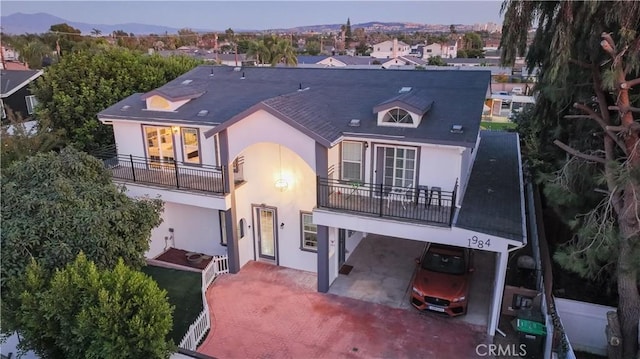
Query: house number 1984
(479, 243)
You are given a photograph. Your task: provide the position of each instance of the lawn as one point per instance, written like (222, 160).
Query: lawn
(498, 126)
(185, 294)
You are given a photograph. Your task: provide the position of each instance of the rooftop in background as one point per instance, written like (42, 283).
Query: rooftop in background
(13, 80)
(324, 101)
(493, 201)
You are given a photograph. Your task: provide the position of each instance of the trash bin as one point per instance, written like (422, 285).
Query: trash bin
(532, 335)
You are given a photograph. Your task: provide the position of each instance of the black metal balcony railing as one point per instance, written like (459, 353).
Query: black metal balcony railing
(167, 173)
(419, 203)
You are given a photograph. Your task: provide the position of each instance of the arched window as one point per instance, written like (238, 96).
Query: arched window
(398, 115)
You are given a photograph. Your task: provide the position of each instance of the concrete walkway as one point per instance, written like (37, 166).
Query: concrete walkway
(267, 311)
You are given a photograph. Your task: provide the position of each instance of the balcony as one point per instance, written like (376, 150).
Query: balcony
(165, 173)
(430, 205)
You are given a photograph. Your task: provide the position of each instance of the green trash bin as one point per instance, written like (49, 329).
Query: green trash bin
(532, 335)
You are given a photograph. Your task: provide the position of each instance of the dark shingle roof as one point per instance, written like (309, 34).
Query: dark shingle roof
(309, 59)
(416, 100)
(332, 98)
(493, 200)
(13, 80)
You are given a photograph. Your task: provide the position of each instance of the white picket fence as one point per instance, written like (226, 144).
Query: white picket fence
(197, 330)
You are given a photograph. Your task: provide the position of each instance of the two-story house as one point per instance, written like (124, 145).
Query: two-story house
(448, 50)
(390, 49)
(292, 166)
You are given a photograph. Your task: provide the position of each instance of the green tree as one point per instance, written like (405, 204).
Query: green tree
(74, 90)
(436, 61)
(588, 54)
(472, 40)
(312, 47)
(96, 32)
(93, 313)
(58, 205)
(187, 37)
(32, 53)
(347, 32)
(66, 36)
(20, 143)
(462, 54)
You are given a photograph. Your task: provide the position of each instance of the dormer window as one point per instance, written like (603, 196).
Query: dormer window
(398, 115)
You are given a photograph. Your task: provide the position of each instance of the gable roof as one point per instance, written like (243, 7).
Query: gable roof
(13, 80)
(329, 100)
(493, 202)
(415, 101)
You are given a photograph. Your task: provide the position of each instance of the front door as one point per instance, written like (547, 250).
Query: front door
(266, 233)
(342, 246)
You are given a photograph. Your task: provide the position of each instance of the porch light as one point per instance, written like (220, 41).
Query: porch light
(282, 184)
(175, 129)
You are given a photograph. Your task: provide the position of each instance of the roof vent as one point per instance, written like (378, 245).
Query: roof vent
(186, 82)
(242, 78)
(203, 113)
(125, 107)
(354, 123)
(456, 129)
(211, 75)
(404, 90)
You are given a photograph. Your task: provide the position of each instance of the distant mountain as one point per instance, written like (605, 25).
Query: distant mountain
(20, 23)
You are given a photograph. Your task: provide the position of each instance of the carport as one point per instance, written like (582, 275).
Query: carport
(383, 268)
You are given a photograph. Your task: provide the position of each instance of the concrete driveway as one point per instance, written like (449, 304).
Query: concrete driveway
(267, 311)
(383, 269)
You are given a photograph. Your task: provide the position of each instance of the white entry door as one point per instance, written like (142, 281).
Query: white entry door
(266, 233)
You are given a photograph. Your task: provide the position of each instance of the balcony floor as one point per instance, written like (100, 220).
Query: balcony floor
(167, 178)
(370, 205)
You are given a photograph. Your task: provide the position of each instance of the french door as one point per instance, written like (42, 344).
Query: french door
(159, 145)
(399, 169)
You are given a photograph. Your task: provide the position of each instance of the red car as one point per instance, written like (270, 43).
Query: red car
(442, 278)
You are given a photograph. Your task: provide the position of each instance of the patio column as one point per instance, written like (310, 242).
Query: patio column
(323, 259)
(322, 170)
(498, 290)
(233, 251)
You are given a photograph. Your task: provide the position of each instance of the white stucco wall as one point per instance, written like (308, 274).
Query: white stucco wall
(440, 166)
(263, 127)
(264, 164)
(333, 159)
(352, 242)
(195, 229)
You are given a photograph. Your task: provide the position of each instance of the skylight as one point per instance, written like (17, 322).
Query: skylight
(203, 113)
(404, 90)
(186, 82)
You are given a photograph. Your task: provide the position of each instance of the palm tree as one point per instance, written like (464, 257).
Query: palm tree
(259, 50)
(283, 52)
(96, 32)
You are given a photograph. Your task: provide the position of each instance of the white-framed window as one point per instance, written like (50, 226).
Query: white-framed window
(351, 161)
(31, 103)
(223, 228)
(4, 114)
(309, 235)
(399, 166)
(190, 146)
(398, 115)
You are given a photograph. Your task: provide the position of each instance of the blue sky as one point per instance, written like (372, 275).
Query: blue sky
(260, 15)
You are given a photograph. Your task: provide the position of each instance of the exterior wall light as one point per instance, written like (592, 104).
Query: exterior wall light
(175, 129)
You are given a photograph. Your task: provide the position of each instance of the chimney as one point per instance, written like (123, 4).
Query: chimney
(395, 48)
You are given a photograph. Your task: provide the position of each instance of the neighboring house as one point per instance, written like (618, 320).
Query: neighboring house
(295, 166)
(472, 62)
(209, 56)
(406, 62)
(345, 60)
(15, 94)
(447, 50)
(390, 49)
